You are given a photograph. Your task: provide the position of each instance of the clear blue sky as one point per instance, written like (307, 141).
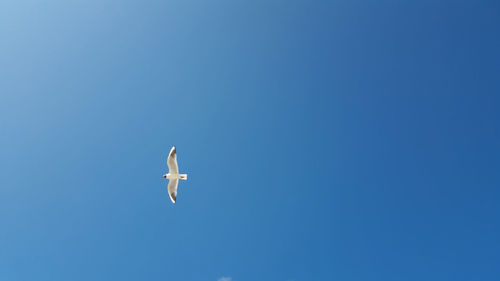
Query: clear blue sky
(338, 140)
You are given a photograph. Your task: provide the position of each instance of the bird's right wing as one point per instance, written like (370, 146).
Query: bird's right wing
(172, 161)
(172, 189)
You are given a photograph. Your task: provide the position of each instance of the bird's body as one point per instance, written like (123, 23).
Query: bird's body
(176, 176)
(173, 176)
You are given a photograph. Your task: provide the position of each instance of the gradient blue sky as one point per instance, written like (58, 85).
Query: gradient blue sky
(335, 140)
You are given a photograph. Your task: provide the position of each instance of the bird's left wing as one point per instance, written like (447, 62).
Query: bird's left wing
(172, 161)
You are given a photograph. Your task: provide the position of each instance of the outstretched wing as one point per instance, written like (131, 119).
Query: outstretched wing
(172, 162)
(172, 189)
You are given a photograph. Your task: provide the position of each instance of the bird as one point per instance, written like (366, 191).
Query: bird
(173, 174)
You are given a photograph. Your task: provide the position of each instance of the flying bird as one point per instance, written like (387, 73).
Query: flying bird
(173, 174)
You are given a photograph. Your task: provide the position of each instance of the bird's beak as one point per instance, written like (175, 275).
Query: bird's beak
(163, 176)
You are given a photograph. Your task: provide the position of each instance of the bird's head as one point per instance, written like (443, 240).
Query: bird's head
(164, 176)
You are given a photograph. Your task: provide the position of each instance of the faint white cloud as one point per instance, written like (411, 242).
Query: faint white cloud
(225, 279)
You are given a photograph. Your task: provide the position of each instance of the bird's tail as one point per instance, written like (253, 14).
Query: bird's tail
(183, 176)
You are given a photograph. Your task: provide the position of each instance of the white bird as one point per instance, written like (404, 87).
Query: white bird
(173, 174)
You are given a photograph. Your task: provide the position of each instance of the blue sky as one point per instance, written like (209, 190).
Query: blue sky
(336, 140)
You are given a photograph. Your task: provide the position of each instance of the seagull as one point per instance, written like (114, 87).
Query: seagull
(173, 174)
